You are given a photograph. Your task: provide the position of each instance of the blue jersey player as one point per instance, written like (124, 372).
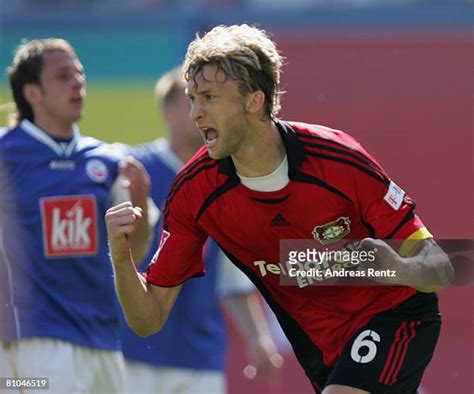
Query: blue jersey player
(59, 314)
(189, 354)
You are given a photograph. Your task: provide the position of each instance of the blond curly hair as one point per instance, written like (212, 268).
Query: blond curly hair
(243, 53)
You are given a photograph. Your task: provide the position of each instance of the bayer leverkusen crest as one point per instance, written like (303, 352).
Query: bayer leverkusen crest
(332, 231)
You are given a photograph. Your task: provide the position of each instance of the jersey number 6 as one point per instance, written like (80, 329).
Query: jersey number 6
(362, 341)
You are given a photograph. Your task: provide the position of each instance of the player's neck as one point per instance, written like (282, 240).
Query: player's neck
(262, 153)
(54, 127)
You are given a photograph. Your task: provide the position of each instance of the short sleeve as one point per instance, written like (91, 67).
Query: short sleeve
(179, 253)
(385, 207)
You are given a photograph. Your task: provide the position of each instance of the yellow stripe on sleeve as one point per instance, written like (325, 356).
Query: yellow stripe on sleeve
(409, 243)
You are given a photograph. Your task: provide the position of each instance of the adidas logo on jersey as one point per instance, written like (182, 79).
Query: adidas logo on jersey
(279, 221)
(69, 225)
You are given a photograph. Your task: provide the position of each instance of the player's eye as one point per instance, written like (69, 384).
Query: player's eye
(63, 76)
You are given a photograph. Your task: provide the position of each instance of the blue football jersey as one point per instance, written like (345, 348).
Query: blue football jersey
(194, 335)
(55, 274)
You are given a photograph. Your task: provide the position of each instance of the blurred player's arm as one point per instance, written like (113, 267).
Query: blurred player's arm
(146, 307)
(240, 298)
(133, 184)
(420, 264)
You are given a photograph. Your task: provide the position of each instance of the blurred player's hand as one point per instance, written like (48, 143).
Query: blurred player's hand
(136, 179)
(265, 361)
(121, 221)
(386, 260)
(426, 266)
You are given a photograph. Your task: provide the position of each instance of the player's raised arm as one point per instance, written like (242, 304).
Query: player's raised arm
(145, 306)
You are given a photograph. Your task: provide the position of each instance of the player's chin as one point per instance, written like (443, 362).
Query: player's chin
(216, 154)
(76, 112)
(76, 115)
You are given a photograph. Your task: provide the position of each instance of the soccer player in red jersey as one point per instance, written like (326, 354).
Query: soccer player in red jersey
(260, 180)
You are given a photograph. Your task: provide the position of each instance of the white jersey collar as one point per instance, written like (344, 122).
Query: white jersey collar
(62, 149)
(277, 180)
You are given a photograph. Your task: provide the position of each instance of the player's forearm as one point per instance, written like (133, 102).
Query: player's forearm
(248, 315)
(142, 313)
(429, 268)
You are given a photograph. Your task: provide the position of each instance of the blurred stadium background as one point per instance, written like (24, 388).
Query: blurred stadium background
(397, 74)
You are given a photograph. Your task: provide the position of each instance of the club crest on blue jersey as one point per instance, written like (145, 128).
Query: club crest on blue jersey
(332, 231)
(97, 170)
(69, 225)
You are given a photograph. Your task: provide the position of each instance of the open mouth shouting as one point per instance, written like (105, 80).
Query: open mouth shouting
(210, 136)
(79, 100)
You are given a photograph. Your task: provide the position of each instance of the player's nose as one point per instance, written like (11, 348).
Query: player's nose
(196, 112)
(79, 80)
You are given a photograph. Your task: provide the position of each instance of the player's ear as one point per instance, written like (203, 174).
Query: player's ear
(167, 111)
(254, 101)
(31, 92)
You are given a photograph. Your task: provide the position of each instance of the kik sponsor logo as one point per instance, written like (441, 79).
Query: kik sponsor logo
(69, 225)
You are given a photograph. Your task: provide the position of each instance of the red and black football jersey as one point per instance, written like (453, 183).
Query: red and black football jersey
(332, 180)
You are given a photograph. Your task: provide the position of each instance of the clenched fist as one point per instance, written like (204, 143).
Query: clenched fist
(121, 221)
